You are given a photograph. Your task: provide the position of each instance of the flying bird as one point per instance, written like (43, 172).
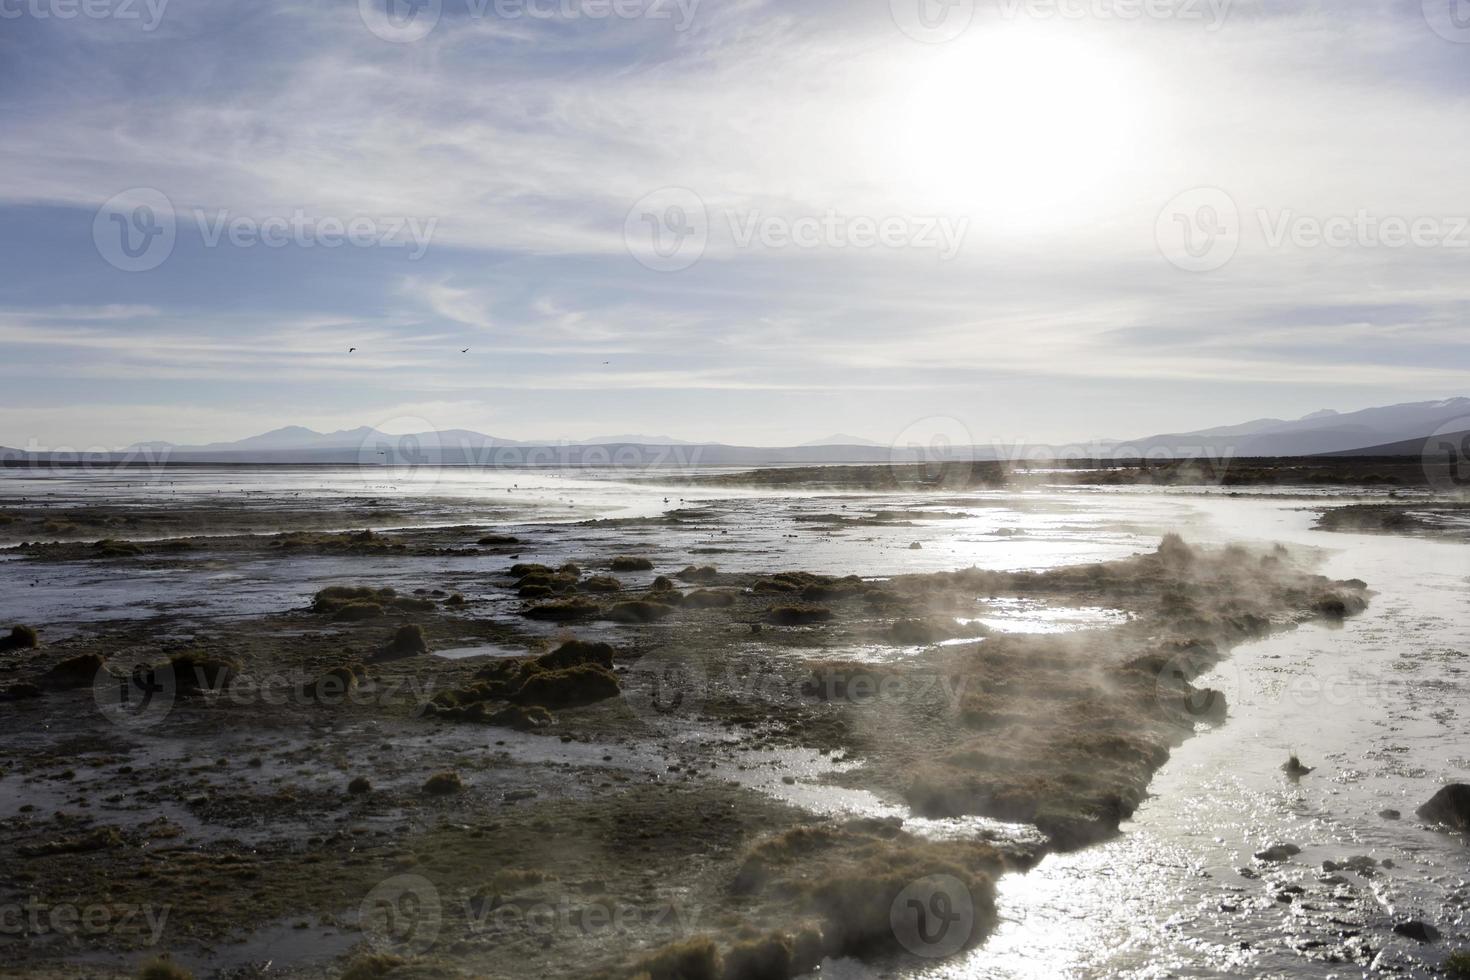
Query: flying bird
(465, 351)
(351, 349)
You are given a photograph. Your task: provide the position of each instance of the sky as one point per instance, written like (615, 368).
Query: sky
(755, 222)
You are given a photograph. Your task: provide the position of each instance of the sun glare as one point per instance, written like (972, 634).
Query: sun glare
(1019, 127)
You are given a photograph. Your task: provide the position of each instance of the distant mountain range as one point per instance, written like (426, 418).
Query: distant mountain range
(1393, 430)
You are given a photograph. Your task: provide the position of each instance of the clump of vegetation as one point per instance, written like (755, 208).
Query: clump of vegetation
(576, 653)
(539, 584)
(357, 612)
(687, 959)
(408, 641)
(710, 599)
(455, 600)
(333, 684)
(523, 718)
(662, 584)
(637, 611)
(73, 672)
(703, 573)
(491, 540)
(564, 610)
(20, 638)
(196, 673)
(629, 563)
(1458, 964)
(1339, 605)
(522, 569)
(568, 688)
(163, 968)
(359, 786)
(602, 583)
(373, 966)
(443, 784)
(110, 548)
(334, 597)
(570, 568)
(755, 959)
(798, 615)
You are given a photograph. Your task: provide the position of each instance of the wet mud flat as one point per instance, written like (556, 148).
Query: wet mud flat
(630, 766)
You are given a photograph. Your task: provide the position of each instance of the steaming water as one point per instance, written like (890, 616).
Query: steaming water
(1379, 705)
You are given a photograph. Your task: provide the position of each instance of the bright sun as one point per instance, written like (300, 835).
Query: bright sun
(1018, 127)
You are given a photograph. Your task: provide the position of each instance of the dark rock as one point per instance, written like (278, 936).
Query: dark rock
(1278, 852)
(1450, 806)
(1420, 932)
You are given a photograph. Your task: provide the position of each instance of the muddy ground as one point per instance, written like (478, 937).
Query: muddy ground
(736, 774)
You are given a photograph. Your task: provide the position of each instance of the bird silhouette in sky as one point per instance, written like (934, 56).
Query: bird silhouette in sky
(351, 350)
(465, 351)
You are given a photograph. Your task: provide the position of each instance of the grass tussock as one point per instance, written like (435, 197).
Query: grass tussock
(443, 784)
(564, 610)
(359, 786)
(357, 612)
(407, 641)
(572, 687)
(496, 540)
(112, 548)
(163, 968)
(522, 718)
(20, 638)
(373, 966)
(602, 583)
(688, 959)
(802, 615)
(577, 653)
(73, 672)
(631, 563)
(333, 685)
(636, 611)
(710, 599)
(1457, 964)
(198, 673)
(701, 573)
